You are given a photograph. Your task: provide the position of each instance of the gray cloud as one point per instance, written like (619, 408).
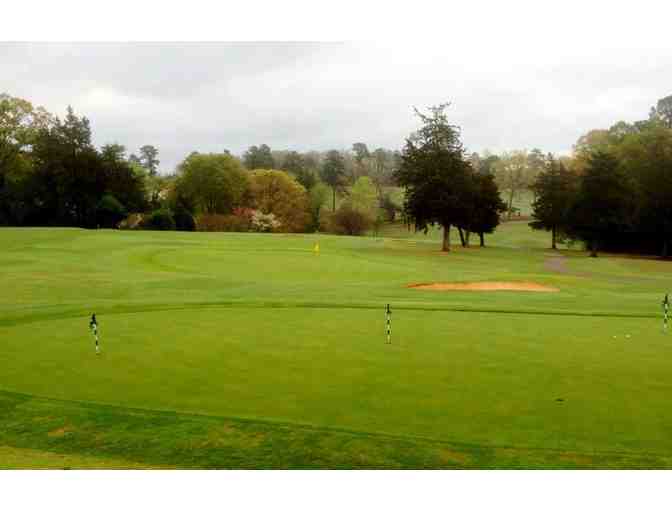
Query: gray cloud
(207, 97)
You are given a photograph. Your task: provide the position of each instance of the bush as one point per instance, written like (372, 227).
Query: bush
(132, 222)
(184, 220)
(389, 207)
(265, 222)
(348, 221)
(161, 219)
(222, 223)
(109, 211)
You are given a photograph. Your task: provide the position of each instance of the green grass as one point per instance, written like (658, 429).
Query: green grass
(249, 350)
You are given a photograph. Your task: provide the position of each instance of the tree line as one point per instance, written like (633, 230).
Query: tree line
(51, 174)
(615, 192)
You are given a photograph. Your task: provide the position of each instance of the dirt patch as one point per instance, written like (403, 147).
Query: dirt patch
(59, 432)
(556, 264)
(485, 286)
(453, 457)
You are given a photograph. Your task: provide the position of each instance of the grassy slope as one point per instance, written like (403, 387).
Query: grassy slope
(259, 328)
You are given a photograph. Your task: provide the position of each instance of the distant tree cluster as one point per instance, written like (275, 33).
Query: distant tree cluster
(615, 192)
(51, 174)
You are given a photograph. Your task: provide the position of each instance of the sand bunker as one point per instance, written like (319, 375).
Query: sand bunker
(485, 286)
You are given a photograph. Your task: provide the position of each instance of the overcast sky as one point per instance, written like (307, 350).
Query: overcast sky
(211, 96)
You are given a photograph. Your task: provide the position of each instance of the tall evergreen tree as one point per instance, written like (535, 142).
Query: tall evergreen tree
(487, 206)
(554, 190)
(258, 158)
(148, 158)
(435, 174)
(604, 205)
(333, 174)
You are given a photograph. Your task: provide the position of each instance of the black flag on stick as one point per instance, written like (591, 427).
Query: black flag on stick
(666, 307)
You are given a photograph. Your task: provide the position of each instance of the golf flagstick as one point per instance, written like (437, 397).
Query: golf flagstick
(93, 325)
(665, 303)
(388, 315)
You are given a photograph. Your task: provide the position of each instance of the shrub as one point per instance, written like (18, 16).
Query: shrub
(161, 219)
(265, 222)
(183, 219)
(389, 207)
(109, 211)
(349, 221)
(222, 223)
(132, 221)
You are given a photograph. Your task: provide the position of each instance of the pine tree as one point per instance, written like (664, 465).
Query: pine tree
(435, 175)
(554, 190)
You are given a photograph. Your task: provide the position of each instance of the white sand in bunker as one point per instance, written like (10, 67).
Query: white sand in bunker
(485, 286)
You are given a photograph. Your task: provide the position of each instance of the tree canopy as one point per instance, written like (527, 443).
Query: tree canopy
(211, 183)
(275, 192)
(435, 174)
(258, 157)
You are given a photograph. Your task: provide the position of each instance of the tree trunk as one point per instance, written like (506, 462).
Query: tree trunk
(553, 238)
(480, 234)
(467, 235)
(333, 203)
(510, 203)
(459, 230)
(446, 238)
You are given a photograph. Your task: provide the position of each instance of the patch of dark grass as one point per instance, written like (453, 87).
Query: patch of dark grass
(176, 440)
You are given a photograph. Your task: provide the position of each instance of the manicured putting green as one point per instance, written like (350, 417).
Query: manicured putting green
(491, 379)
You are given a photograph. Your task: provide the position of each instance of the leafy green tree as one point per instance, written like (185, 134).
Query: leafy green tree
(295, 164)
(20, 123)
(361, 152)
(434, 174)
(536, 163)
(214, 183)
(318, 198)
(512, 173)
(389, 207)
(68, 171)
(554, 189)
(276, 192)
(149, 158)
(184, 220)
(258, 157)
(161, 219)
(382, 167)
(110, 211)
(663, 111)
(292, 163)
(333, 174)
(349, 221)
(363, 196)
(488, 163)
(487, 206)
(113, 152)
(603, 206)
(646, 156)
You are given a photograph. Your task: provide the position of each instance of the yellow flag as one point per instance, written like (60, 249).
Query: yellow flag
(316, 249)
